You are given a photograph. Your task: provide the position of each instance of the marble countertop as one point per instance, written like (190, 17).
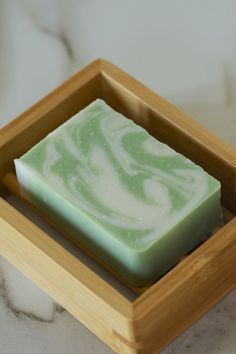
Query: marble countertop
(185, 51)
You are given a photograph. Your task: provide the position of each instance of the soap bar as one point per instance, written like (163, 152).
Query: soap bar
(133, 201)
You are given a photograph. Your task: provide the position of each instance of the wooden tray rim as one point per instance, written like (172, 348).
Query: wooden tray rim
(124, 320)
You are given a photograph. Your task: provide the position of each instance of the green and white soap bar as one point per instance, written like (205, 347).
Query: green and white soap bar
(135, 202)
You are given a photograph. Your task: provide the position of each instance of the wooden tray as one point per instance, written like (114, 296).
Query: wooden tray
(186, 292)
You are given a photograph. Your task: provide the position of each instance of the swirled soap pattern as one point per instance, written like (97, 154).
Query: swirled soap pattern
(130, 199)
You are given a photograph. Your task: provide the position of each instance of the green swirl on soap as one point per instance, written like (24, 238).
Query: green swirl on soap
(115, 172)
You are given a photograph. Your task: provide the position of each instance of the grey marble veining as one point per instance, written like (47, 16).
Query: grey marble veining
(186, 52)
(21, 314)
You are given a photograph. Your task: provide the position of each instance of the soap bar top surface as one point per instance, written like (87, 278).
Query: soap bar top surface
(133, 186)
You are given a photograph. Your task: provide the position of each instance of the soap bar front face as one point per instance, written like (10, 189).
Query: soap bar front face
(139, 204)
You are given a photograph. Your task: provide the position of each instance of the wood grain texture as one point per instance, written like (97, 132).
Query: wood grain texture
(187, 291)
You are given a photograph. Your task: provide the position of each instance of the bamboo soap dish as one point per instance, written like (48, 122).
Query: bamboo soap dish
(162, 311)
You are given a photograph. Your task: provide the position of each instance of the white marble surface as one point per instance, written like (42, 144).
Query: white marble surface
(186, 51)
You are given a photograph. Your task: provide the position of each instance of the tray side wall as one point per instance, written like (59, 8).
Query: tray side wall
(186, 292)
(72, 284)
